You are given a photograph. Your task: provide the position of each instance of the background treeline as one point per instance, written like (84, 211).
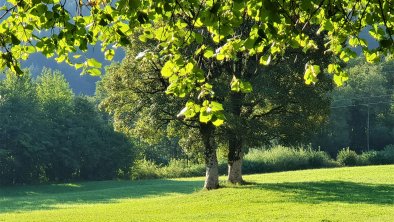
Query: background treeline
(47, 134)
(362, 111)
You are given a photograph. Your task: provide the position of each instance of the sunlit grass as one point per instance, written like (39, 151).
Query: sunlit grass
(341, 194)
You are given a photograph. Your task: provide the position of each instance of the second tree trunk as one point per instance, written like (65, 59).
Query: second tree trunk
(211, 163)
(235, 156)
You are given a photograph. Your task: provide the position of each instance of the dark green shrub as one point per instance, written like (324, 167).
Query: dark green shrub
(280, 158)
(368, 158)
(320, 159)
(347, 157)
(145, 169)
(181, 168)
(385, 156)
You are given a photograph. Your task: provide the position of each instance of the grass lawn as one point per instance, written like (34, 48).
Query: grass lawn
(341, 194)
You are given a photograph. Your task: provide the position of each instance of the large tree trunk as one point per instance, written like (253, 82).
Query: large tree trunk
(234, 160)
(235, 153)
(211, 162)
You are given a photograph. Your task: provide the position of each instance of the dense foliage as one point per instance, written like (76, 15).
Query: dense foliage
(48, 134)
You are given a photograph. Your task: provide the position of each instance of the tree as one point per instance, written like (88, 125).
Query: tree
(55, 98)
(101, 152)
(133, 92)
(20, 152)
(276, 110)
(79, 143)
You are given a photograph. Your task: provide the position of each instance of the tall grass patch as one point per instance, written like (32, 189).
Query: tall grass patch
(280, 158)
(347, 157)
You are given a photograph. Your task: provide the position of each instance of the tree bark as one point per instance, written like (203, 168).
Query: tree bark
(235, 142)
(211, 162)
(235, 156)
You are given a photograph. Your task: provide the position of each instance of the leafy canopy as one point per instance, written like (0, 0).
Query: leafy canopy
(58, 29)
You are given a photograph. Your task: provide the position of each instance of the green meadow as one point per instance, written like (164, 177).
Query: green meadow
(340, 194)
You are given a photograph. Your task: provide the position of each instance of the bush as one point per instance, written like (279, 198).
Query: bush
(367, 158)
(145, 169)
(320, 159)
(280, 158)
(385, 156)
(180, 168)
(347, 157)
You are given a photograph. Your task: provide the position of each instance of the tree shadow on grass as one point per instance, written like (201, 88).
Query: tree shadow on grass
(334, 191)
(28, 198)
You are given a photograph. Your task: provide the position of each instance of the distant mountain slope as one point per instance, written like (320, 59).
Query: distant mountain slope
(81, 85)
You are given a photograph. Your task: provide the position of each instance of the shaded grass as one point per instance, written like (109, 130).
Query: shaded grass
(334, 191)
(340, 194)
(28, 198)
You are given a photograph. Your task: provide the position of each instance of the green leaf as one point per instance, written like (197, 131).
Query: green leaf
(92, 62)
(109, 54)
(377, 33)
(168, 69)
(235, 84)
(333, 68)
(198, 51)
(78, 65)
(340, 78)
(208, 53)
(205, 116)
(61, 58)
(246, 87)
(189, 111)
(347, 54)
(371, 57)
(199, 38)
(218, 119)
(265, 60)
(311, 72)
(220, 57)
(15, 40)
(94, 72)
(215, 106)
(327, 25)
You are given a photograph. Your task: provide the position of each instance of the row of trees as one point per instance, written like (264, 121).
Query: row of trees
(48, 134)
